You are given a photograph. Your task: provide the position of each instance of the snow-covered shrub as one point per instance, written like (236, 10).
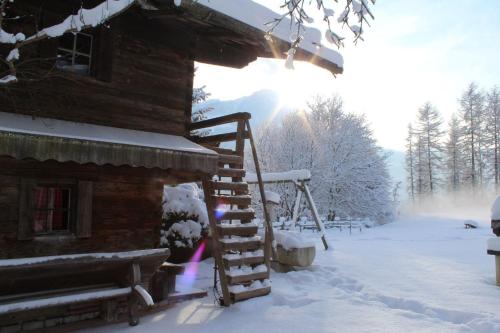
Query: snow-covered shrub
(185, 219)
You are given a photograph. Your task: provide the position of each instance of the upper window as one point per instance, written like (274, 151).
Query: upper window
(74, 53)
(52, 209)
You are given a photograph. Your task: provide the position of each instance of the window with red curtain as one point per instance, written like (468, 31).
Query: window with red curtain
(51, 209)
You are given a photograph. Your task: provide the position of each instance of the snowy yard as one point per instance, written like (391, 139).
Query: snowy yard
(419, 274)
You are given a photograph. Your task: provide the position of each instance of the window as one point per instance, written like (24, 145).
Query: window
(74, 53)
(55, 207)
(52, 209)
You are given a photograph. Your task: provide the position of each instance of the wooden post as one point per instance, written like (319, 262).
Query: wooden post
(319, 224)
(269, 238)
(497, 264)
(296, 208)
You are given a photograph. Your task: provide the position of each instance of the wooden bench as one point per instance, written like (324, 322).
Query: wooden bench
(68, 288)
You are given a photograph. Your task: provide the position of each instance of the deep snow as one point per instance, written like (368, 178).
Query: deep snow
(419, 274)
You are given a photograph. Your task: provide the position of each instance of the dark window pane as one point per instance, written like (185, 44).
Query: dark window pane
(51, 209)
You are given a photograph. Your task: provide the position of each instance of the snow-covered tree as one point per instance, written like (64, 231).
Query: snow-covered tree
(471, 115)
(410, 162)
(454, 155)
(349, 171)
(200, 96)
(429, 125)
(493, 132)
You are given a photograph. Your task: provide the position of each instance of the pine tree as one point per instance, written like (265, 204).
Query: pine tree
(493, 131)
(429, 125)
(454, 155)
(471, 115)
(410, 163)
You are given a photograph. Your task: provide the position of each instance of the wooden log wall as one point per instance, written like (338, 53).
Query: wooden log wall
(136, 82)
(126, 211)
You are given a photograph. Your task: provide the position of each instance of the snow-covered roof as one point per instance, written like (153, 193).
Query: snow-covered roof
(17, 123)
(45, 139)
(257, 16)
(248, 19)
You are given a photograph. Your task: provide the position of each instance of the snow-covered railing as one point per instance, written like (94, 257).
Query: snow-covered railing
(277, 177)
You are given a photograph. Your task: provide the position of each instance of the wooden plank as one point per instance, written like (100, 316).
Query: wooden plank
(230, 159)
(241, 246)
(243, 215)
(241, 187)
(237, 297)
(230, 118)
(220, 150)
(239, 200)
(237, 230)
(230, 172)
(247, 278)
(25, 226)
(84, 209)
(244, 261)
(218, 138)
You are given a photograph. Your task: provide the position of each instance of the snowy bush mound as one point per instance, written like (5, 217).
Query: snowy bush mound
(185, 219)
(292, 240)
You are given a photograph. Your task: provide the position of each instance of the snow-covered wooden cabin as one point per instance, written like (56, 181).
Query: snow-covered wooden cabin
(100, 120)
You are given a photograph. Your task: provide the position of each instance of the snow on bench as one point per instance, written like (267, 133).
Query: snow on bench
(276, 177)
(69, 257)
(63, 300)
(494, 246)
(470, 224)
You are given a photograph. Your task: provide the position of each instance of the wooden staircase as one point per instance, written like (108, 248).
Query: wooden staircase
(241, 256)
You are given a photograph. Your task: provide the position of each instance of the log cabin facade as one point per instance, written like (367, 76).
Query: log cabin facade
(100, 121)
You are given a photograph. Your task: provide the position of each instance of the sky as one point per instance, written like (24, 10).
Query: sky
(414, 52)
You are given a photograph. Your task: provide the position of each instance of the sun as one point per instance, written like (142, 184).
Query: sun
(296, 87)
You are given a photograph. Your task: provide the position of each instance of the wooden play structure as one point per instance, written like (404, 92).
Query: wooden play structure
(300, 178)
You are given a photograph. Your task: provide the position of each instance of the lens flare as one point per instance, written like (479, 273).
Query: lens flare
(219, 211)
(191, 271)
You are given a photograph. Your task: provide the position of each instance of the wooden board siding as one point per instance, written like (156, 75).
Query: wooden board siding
(148, 86)
(126, 208)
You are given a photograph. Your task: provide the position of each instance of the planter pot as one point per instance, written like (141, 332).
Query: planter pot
(301, 257)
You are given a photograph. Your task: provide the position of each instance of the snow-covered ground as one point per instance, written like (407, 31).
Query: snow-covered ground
(419, 274)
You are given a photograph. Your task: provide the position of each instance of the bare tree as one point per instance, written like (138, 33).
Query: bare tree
(471, 115)
(493, 131)
(429, 125)
(410, 162)
(454, 155)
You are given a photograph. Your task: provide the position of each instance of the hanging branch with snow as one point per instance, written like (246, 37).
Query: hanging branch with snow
(355, 14)
(81, 20)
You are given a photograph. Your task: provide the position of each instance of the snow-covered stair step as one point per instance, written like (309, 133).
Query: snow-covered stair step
(240, 187)
(247, 273)
(256, 289)
(238, 260)
(231, 172)
(237, 214)
(246, 229)
(240, 243)
(238, 200)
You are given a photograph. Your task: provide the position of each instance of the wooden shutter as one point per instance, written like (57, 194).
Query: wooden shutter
(84, 209)
(25, 228)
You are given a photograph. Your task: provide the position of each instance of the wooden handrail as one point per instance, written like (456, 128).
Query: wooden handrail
(217, 138)
(230, 118)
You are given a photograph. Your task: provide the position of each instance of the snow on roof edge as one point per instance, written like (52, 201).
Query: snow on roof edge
(256, 15)
(24, 124)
